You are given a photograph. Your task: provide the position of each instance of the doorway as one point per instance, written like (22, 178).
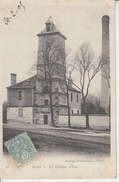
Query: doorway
(45, 119)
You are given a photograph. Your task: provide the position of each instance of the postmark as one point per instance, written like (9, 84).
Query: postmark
(21, 149)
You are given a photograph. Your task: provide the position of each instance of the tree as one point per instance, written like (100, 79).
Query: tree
(64, 70)
(88, 68)
(66, 75)
(65, 90)
(49, 56)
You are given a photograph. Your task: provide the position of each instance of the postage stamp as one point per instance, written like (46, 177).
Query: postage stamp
(21, 149)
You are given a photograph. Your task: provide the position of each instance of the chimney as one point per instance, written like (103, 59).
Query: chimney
(105, 37)
(13, 79)
(106, 59)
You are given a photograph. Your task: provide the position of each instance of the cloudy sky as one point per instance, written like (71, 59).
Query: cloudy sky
(78, 20)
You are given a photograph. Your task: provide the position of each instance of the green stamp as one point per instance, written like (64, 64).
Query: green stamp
(21, 149)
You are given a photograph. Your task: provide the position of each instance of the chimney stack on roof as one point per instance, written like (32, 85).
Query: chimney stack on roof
(13, 79)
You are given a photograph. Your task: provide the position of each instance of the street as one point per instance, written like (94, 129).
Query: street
(49, 140)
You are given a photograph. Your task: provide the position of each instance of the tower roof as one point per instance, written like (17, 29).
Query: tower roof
(50, 28)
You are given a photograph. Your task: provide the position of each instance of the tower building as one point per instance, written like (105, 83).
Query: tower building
(42, 98)
(50, 74)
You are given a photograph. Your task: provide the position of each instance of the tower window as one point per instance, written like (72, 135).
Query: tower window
(77, 98)
(20, 95)
(46, 89)
(71, 97)
(48, 29)
(46, 102)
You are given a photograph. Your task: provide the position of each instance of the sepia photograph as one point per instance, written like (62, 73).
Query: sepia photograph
(58, 89)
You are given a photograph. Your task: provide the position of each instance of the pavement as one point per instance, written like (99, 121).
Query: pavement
(93, 136)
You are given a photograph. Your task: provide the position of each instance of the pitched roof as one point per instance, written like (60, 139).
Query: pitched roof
(28, 83)
(53, 29)
(73, 89)
(31, 82)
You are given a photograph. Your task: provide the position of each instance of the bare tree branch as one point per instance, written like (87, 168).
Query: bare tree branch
(88, 69)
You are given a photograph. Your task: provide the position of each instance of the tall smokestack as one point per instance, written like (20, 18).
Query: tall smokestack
(105, 37)
(105, 71)
(13, 79)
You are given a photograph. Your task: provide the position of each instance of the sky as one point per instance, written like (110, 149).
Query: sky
(78, 20)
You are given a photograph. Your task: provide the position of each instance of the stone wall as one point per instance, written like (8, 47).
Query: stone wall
(39, 113)
(95, 121)
(27, 97)
(20, 114)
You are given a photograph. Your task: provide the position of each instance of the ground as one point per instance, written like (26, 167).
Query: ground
(49, 140)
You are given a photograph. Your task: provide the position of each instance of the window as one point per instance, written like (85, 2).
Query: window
(46, 102)
(45, 119)
(48, 29)
(20, 112)
(20, 95)
(71, 97)
(77, 98)
(46, 89)
(57, 113)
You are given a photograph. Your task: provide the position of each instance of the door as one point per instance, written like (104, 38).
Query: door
(45, 119)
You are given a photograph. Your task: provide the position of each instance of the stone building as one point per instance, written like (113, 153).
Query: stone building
(30, 100)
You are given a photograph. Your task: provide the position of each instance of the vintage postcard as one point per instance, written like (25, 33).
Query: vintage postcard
(58, 85)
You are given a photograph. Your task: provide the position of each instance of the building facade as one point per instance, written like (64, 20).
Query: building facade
(35, 99)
